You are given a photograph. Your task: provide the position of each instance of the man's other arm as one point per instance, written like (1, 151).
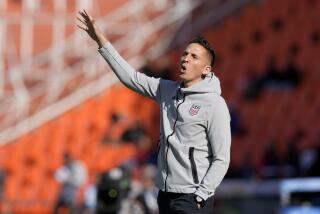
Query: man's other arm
(219, 135)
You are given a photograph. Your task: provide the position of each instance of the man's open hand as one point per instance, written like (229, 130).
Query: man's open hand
(88, 24)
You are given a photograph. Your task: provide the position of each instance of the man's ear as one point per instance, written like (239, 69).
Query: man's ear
(207, 70)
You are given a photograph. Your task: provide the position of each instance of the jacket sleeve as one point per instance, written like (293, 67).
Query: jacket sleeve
(219, 135)
(139, 82)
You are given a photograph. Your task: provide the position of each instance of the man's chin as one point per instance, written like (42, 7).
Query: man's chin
(182, 76)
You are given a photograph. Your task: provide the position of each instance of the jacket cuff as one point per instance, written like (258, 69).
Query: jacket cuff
(108, 45)
(202, 194)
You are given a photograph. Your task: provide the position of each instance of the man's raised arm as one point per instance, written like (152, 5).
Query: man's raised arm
(134, 80)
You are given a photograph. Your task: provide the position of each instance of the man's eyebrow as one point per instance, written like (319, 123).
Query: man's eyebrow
(194, 54)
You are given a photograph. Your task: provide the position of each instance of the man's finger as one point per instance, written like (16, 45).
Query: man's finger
(84, 16)
(83, 22)
(85, 29)
(90, 18)
(85, 12)
(80, 13)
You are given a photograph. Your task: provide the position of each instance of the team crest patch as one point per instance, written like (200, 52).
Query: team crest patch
(194, 109)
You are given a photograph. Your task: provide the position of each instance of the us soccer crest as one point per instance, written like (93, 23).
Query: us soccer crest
(194, 109)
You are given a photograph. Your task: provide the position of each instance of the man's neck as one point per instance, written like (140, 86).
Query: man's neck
(189, 84)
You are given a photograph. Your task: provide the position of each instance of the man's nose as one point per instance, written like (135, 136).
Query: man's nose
(185, 59)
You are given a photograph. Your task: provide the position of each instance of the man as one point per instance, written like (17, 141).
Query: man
(195, 135)
(71, 175)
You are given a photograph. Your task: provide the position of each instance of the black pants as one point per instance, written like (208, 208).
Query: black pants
(172, 203)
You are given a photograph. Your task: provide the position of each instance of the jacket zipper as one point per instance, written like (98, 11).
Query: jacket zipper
(193, 165)
(167, 142)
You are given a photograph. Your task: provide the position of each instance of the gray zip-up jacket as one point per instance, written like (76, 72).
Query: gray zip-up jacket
(195, 138)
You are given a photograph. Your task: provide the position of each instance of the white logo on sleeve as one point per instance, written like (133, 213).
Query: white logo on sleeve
(194, 109)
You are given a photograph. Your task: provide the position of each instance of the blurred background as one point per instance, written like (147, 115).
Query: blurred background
(74, 140)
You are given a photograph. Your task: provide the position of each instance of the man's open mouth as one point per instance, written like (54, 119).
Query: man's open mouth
(183, 69)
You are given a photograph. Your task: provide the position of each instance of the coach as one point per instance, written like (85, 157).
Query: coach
(195, 137)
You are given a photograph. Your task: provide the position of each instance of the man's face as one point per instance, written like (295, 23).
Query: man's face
(194, 63)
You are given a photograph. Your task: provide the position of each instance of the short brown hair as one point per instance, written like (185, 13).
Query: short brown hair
(204, 43)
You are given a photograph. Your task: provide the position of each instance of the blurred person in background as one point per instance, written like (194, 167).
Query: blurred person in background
(90, 195)
(272, 78)
(195, 137)
(271, 161)
(113, 134)
(291, 167)
(112, 191)
(71, 176)
(315, 168)
(251, 86)
(237, 124)
(144, 150)
(133, 133)
(146, 201)
(281, 79)
(292, 75)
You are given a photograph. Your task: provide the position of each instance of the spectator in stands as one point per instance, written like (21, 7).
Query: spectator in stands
(278, 79)
(133, 134)
(71, 176)
(114, 132)
(251, 86)
(145, 148)
(237, 126)
(271, 161)
(195, 145)
(90, 196)
(272, 75)
(272, 78)
(315, 166)
(292, 154)
(146, 201)
(308, 159)
(292, 74)
(287, 78)
(112, 191)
